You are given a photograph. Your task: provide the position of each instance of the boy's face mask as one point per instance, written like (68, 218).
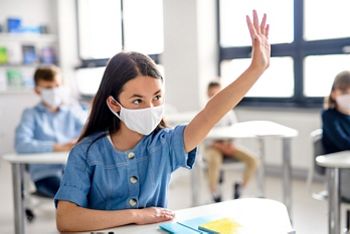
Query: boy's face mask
(53, 97)
(142, 121)
(343, 102)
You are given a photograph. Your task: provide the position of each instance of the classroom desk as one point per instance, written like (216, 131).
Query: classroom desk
(334, 162)
(259, 130)
(255, 215)
(17, 163)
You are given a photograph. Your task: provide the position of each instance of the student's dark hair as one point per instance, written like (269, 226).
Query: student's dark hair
(47, 73)
(120, 69)
(342, 82)
(213, 84)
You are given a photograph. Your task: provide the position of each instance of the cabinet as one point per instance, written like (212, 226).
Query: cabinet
(20, 54)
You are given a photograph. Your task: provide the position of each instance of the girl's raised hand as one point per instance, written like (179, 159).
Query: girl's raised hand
(261, 49)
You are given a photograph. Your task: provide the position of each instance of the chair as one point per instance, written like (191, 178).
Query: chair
(29, 195)
(318, 149)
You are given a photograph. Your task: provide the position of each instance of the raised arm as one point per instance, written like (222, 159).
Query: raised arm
(229, 97)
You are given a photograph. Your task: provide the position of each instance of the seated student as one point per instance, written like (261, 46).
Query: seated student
(216, 150)
(119, 171)
(336, 124)
(50, 126)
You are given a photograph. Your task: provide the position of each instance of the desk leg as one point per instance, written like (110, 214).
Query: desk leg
(287, 174)
(17, 177)
(333, 201)
(196, 176)
(261, 170)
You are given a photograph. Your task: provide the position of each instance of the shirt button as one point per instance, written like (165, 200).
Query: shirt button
(132, 202)
(131, 155)
(133, 179)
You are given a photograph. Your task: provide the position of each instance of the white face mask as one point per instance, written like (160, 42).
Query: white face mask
(52, 97)
(343, 102)
(143, 121)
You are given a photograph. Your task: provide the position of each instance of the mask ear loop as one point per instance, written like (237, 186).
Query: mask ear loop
(110, 108)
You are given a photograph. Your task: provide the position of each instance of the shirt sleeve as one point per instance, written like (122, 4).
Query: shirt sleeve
(334, 131)
(179, 157)
(76, 182)
(25, 141)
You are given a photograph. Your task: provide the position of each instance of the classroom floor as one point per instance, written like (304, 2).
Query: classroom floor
(309, 215)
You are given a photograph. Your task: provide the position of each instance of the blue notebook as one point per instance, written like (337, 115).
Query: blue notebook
(196, 222)
(177, 228)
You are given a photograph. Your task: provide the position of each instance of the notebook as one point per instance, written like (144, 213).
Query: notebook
(177, 228)
(222, 226)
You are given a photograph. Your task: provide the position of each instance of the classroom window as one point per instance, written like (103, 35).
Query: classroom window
(277, 81)
(327, 19)
(106, 27)
(234, 31)
(307, 46)
(320, 72)
(99, 28)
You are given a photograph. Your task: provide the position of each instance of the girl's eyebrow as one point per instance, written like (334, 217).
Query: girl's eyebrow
(140, 96)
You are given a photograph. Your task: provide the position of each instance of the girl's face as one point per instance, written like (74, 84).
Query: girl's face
(339, 92)
(342, 99)
(141, 92)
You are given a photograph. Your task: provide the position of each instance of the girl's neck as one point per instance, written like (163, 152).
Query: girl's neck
(125, 139)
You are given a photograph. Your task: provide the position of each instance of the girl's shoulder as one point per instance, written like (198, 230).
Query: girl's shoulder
(90, 140)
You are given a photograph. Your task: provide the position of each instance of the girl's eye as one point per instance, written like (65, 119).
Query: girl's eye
(137, 101)
(158, 97)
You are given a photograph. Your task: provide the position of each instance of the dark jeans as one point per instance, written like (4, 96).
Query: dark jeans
(48, 187)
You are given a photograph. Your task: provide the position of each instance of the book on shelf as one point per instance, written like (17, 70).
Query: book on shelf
(29, 54)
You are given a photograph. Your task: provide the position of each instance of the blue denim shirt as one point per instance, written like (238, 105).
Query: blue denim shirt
(40, 129)
(97, 176)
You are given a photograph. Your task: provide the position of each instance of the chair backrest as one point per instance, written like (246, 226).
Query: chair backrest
(318, 149)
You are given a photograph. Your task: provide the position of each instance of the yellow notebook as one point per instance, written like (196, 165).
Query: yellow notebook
(222, 226)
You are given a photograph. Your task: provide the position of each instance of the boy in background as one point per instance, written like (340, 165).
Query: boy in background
(50, 126)
(217, 150)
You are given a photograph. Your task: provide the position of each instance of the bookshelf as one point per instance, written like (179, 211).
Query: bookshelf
(20, 54)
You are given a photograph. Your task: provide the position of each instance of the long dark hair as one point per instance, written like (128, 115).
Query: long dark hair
(120, 69)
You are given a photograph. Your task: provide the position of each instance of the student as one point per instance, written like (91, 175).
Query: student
(216, 150)
(336, 124)
(119, 171)
(50, 126)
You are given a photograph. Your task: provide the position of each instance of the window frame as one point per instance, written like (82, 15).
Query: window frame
(101, 62)
(298, 49)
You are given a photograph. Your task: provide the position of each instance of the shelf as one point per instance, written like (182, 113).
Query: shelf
(17, 91)
(27, 38)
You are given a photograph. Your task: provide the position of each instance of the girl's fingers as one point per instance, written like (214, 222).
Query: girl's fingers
(256, 21)
(263, 25)
(267, 28)
(252, 31)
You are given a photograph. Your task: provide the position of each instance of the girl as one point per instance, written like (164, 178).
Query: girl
(336, 124)
(119, 171)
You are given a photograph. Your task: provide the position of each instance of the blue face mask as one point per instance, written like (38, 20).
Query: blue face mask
(142, 121)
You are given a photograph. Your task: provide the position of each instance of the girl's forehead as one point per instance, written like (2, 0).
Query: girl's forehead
(143, 85)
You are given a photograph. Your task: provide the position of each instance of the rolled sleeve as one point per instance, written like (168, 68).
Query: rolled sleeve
(76, 181)
(180, 158)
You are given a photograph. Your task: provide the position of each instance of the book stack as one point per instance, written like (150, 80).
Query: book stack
(203, 224)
